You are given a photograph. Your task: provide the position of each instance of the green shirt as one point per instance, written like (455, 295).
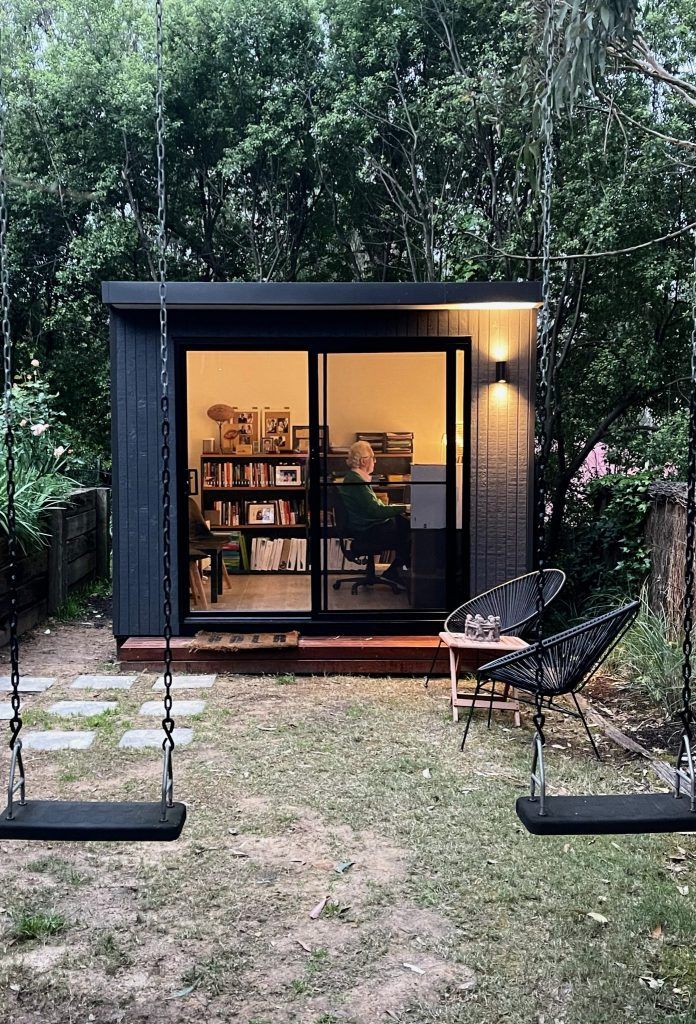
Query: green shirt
(363, 508)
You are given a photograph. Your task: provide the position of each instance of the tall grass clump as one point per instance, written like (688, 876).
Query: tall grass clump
(651, 659)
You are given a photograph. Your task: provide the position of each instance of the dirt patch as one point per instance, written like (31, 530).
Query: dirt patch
(407, 982)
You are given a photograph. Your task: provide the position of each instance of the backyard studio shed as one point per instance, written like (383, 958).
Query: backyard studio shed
(270, 384)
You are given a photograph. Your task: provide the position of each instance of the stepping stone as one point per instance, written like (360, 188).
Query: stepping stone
(57, 740)
(5, 712)
(184, 682)
(139, 738)
(81, 707)
(89, 682)
(179, 707)
(27, 684)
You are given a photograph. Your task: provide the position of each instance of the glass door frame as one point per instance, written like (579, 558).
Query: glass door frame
(456, 583)
(317, 621)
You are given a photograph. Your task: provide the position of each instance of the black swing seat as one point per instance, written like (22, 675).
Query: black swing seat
(93, 821)
(617, 814)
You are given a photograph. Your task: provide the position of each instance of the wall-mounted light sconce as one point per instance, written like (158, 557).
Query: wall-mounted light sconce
(501, 372)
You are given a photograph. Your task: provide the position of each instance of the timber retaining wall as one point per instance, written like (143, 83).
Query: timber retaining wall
(77, 551)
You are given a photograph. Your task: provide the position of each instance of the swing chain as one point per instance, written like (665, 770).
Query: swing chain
(687, 714)
(167, 721)
(544, 325)
(16, 721)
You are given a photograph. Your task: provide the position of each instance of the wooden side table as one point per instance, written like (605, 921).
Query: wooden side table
(485, 651)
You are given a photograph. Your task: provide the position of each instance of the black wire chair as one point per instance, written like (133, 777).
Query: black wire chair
(569, 658)
(515, 602)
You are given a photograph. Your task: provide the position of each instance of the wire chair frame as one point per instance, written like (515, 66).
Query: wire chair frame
(514, 601)
(570, 659)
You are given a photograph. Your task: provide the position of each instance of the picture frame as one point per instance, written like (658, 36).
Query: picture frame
(259, 513)
(276, 426)
(288, 476)
(242, 430)
(300, 439)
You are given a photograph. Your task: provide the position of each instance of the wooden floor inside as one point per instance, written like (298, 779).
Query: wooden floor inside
(315, 655)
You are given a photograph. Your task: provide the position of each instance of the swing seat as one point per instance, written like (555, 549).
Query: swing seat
(93, 821)
(618, 814)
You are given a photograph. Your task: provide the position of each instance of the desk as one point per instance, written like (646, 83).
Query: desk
(491, 650)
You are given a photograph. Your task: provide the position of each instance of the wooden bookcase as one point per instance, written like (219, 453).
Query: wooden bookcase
(234, 482)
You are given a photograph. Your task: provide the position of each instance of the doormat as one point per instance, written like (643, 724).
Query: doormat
(231, 642)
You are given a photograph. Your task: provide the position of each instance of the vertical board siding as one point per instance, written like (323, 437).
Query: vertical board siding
(137, 491)
(501, 434)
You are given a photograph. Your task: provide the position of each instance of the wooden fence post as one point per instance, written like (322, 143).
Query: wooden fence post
(56, 562)
(103, 506)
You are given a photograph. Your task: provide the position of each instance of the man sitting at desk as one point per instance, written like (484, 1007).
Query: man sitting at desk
(368, 517)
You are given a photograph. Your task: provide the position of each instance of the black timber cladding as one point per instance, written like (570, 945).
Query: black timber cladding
(501, 457)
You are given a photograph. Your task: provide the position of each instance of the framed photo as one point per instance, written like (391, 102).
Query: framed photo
(242, 429)
(289, 476)
(261, 513)
(300, 439)
(268, 445)
(276, 426)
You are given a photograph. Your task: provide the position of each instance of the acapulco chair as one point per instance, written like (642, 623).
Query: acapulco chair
(515, 602)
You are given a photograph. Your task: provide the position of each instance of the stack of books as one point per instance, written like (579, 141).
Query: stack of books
(376, 440)
(399, 442)
(279, 554)
(234, 554)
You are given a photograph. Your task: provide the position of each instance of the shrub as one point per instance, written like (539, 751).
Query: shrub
(41, 475)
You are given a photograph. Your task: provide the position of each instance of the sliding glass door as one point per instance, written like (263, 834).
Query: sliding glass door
(389, 476)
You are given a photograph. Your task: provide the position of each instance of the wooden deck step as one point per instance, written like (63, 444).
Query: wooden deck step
(315, 655)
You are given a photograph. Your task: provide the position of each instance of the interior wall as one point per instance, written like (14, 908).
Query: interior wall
(378, 391)
(389, 391)
(243, 379)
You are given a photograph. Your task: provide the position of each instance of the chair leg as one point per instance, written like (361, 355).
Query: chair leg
(470, 715)
(226, 581)
(587, 728)
(196, 585)
(432, 666)
(490, 706)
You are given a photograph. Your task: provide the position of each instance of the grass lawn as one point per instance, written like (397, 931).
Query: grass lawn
(352, 791)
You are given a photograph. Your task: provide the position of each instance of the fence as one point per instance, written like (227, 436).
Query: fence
(77, 551)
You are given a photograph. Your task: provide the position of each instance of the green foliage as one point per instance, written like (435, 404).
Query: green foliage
(650, 659)
(41, 460)
(605, 548)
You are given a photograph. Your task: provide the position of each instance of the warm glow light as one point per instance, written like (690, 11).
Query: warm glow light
(495, 305)
(499, 391)
(499, 352)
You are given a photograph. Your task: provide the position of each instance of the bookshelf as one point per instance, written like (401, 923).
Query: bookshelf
(261, 501)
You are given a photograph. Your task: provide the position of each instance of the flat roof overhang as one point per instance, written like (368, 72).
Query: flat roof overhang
(324, 295)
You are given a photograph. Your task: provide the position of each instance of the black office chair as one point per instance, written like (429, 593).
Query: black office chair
(357, 549)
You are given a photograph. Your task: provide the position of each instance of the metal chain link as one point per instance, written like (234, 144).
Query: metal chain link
(16, 721)
(544, 330)
(687, 714)
(167, 721)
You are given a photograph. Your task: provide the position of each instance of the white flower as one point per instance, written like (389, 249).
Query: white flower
(22, 423)
(35, 362)
(38, 429)
(57, 452)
